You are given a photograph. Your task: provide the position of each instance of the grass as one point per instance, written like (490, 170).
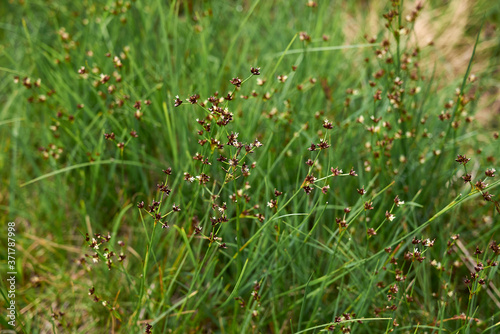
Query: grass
(333, 194)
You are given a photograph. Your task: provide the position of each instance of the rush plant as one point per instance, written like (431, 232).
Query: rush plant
(249, 167)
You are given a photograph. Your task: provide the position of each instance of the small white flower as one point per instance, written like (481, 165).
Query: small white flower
(428, 242)
(257, 143)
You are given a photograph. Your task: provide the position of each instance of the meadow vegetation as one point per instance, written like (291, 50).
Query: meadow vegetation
(252, 166)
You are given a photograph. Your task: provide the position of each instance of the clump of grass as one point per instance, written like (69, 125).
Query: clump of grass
(333, 188)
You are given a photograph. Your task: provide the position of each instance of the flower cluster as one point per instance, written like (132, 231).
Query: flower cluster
(106, 254)
(155, 208)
